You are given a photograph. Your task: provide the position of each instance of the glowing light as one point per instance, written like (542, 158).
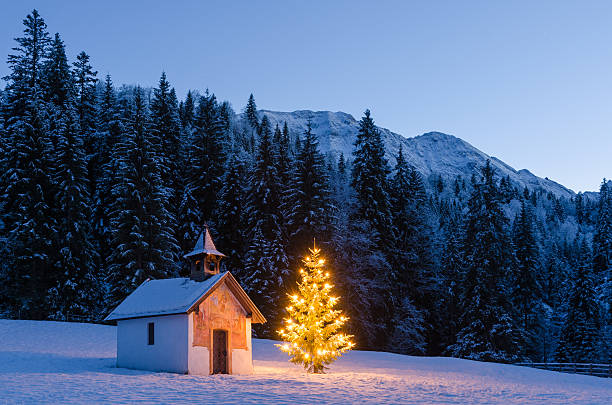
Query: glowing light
(312, 331)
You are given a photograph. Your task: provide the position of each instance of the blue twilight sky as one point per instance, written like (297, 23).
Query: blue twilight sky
(528, 82)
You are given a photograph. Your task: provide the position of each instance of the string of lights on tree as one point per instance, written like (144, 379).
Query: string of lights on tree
(313, 329)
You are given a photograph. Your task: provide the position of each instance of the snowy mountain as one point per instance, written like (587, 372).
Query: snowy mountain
(55, 362)
(433, 153)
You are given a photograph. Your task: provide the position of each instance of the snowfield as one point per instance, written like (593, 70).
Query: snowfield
(54, 362)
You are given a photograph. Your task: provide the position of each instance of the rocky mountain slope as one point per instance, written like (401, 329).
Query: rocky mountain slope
(433, 153)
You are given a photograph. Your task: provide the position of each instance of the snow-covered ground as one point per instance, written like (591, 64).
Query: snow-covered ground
(54, 362)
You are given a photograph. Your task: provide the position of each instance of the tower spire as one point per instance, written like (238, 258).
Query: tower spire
(205, 257)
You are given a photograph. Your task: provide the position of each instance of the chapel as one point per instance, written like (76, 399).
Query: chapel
(199, 324)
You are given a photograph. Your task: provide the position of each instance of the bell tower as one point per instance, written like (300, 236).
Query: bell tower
(204, 258)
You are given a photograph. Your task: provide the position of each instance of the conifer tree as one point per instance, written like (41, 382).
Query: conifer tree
(527, 289)
(602, 263)
(408, 198)
(488, 329)
(341, 183)
(85, 92)
(452, 266)
(369, 180)
(73, 282)
(85, 81)
(57, 78)
(208, 156)
(580, 335)
(579, 206)
(143, 242)
(188, 110)
(166, 133)
(251, 113)
(359, 266)
(109, 130)
(266, 260)
(76, 289)
(283, 159)
(312, 330)
(309, 210)
(27, 205)
(231, 214)
(411, 279)
(602, 240)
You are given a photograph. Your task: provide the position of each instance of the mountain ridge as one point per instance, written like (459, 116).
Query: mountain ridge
(432, 153)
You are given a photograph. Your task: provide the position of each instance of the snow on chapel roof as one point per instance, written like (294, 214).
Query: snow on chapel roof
(162, 297)
(178, 296)
(204, 245)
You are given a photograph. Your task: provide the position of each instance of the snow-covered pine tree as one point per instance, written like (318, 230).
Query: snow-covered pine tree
(602, 248)
(85, 86)
(369, 180)
(231, 214)
(266, 266)
(57, 81)
(84, 78)
(208, 155)
(580, 335)
(109, 129)
(251, 113)
(579, 207)
(77, 286)
(28, 196)
(226, 114)
(341, 183)
(188, 216)
(188, 110)
(165, 130)
(189, 226)
(411, 278)
(527, 295)
(74, 286)
(143, 239)
(452, 267)
(371, 217)
(165, 127)
(360, 268)
(488, 328)
(309, 206)
(284, 163)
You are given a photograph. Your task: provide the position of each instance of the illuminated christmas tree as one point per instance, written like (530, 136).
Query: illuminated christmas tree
(312, 330)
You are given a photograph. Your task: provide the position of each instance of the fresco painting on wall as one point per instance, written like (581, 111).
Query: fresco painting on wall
(220, 310)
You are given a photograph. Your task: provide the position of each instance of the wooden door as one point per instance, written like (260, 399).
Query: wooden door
(219, 351)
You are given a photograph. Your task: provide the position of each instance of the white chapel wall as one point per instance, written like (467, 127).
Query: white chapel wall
(169, 351)
(199, 356)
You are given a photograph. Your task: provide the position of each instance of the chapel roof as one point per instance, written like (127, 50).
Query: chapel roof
(179, 296)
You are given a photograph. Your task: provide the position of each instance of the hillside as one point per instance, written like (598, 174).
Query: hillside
(431, 153)
(53, 362)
